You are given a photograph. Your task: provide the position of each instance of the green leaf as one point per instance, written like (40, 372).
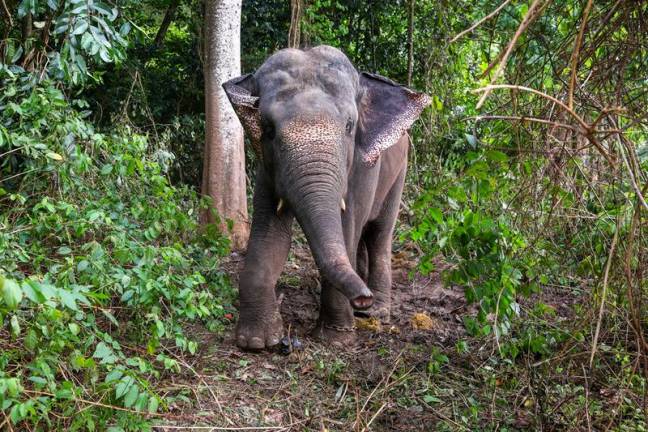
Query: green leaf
(131, 396)
(123, 386)
(55, 156)
(104, 353)
(68, 299)
(80, 27)
(153, 405)
(64, 250)
(111, 317)
(106, 169)
(10, 387)
(106, 10)
(63, 394)
(103, 54)
(472, 140)
(15, 326)
(431, 399)
(496, 156)
(32, 290)
(436, 215)
(11, 292)
(74, 328)
(83, 265)
(114, 375)
(38, 380)
(31, 340)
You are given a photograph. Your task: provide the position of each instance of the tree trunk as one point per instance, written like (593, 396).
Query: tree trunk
(26, 27)
(410, 42)
(294, 33)
(166, 22)
(224, 164)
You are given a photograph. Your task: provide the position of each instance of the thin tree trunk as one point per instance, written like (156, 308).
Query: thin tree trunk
(224, 163)
(296, 13)
(410, 42)
(26, 26)
(166, 22)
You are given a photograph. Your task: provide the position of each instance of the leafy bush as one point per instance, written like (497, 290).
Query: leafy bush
(101, 264)
(474, 232)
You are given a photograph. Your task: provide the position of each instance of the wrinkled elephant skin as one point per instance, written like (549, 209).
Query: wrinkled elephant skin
(332, 144)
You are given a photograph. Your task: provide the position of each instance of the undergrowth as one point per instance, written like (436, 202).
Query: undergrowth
(102, 264)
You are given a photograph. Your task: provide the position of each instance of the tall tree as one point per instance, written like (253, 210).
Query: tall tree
(296, 12)
(224, 161)
(410, 41)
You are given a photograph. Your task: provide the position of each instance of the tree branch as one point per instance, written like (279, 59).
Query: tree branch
(480, 22)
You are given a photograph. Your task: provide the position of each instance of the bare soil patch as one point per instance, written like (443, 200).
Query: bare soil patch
(404, 376)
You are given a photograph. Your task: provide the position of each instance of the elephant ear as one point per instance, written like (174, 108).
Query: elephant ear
(387, 110)
(246, 106)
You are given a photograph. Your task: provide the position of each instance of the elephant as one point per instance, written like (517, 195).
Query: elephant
(332, 147)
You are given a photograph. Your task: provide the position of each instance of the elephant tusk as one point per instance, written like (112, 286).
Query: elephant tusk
(343, 205)
(280, 206)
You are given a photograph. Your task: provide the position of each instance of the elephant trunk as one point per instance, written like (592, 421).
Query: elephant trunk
(316, 200)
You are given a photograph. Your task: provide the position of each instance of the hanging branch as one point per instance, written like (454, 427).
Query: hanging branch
(531, 15)
(574, 59)
(6, 11)
(604, 292)
(480, 22)
(588, 132)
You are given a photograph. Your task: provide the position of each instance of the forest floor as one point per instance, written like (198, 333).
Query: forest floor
(419, 373)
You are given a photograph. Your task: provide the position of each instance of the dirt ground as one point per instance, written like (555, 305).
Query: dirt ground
(410, 375)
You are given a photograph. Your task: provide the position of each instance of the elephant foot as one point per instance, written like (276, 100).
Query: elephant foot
(256, 331)
(335, 335)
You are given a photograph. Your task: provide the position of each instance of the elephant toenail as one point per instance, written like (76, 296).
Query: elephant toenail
(273, 341)
(242, 341)
(256, 343)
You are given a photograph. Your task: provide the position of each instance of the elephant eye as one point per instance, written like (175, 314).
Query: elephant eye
(349, 126)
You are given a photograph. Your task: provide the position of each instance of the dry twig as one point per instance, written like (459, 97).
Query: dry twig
(531, 15)
(603, 293)
(480, 22)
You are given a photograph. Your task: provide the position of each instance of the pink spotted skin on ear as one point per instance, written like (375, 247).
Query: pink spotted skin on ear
(387, 137)
(245, 107)
(251, 121)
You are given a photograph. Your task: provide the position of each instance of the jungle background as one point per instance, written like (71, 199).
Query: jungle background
(520, 256)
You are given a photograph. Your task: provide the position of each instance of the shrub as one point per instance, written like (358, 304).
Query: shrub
(101, 264)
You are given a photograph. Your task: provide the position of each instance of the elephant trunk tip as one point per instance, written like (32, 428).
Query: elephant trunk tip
(346, 281)
(362, 302)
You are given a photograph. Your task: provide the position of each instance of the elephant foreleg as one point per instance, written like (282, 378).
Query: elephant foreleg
(260, 325)
(336, 321)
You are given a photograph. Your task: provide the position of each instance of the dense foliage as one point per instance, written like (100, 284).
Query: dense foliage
(532, 195)
(102, 260)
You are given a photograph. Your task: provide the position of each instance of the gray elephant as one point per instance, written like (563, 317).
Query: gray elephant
(332, 145)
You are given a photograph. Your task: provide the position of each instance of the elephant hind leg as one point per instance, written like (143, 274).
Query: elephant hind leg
(362, 261)
(378, 237)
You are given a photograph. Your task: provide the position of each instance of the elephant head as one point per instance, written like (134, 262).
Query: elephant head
(309, 115)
